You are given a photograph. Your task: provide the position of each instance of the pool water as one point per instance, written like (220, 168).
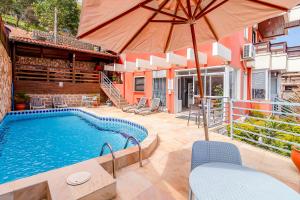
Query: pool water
(42, 142)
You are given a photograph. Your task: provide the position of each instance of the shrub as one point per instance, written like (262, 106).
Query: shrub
(257, 114)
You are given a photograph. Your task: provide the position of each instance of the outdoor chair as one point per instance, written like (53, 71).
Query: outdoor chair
(212, 151)
(87, 101)
(36, 103)
(132, 108)
(154, 107)
(195, 110)
(58, 102)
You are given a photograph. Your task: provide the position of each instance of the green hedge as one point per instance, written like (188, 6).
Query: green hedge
(249, 125)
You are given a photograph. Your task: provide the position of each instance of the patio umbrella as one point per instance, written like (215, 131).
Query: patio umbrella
(166, 25)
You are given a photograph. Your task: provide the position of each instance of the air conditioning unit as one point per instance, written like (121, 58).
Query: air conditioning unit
(248, 51)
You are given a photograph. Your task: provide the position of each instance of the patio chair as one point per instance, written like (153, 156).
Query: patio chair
(86, 101)
(154, 107)
(195, 110)
(58, 102)
(36, 103)
(132, 108)
(212, 151)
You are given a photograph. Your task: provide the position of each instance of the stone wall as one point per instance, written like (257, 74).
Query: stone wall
(5, 82)
(72, 100)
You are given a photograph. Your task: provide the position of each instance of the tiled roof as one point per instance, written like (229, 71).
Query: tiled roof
(21, 35)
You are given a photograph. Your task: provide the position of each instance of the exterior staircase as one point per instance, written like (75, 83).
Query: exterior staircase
(287, 107)
(112, 92)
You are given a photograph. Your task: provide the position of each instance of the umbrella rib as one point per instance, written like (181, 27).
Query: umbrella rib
(269, 5)
(113, 19)
(209, 25)
(188, 3)
(183, 9)
(211, 28)
(198, 16)
(171, 30)
(197, 6)
(164, 13)
(145, 24)
(204, 9)
(170, 21)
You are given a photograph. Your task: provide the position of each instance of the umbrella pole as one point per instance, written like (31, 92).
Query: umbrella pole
(203, 100)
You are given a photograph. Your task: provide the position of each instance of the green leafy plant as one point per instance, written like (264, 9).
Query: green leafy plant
(257, 114)
(21, 97)
(268, 127)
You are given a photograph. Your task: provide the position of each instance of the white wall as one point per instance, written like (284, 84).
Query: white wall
(293, 64)
(262, 61)
(279, 61)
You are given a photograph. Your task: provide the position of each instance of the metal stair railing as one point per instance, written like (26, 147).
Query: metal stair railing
(112, 90)
(283, 108)
(113, 157)
(140, 148)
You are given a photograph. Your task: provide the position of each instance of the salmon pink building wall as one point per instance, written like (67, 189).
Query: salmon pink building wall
(234, 43)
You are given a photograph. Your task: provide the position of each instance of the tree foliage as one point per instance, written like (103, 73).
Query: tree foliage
(41, 13)
(6, 6)
(67, 12)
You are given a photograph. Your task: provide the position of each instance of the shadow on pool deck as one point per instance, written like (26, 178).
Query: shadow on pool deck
(165, 174)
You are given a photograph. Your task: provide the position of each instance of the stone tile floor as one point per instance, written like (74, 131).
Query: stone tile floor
(165, 174)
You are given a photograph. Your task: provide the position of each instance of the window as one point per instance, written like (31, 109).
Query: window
(139, 84)
(290, 87)
(259, 84)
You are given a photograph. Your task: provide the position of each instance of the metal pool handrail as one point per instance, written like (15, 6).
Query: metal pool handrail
(140, 148)
(112, 154)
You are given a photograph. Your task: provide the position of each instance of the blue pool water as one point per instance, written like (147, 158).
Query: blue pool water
(37, 142)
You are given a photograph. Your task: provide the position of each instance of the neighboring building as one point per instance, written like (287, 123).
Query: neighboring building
(275, 71)
(45, 68)
(275, 67)
(290, 82)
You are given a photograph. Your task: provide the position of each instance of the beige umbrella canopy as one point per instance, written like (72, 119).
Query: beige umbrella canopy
(168, 25)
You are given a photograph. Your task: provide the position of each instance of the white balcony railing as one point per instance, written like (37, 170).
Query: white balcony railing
(277, 57)
(270, 125)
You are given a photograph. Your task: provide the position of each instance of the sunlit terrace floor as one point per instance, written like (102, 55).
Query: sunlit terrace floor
(165, 173)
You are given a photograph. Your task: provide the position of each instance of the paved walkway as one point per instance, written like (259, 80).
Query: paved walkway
(165, 174)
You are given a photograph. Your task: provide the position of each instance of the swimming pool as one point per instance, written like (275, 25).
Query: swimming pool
(32, 142)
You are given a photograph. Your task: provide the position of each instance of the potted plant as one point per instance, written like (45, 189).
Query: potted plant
(295, 156)
(20, 100)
